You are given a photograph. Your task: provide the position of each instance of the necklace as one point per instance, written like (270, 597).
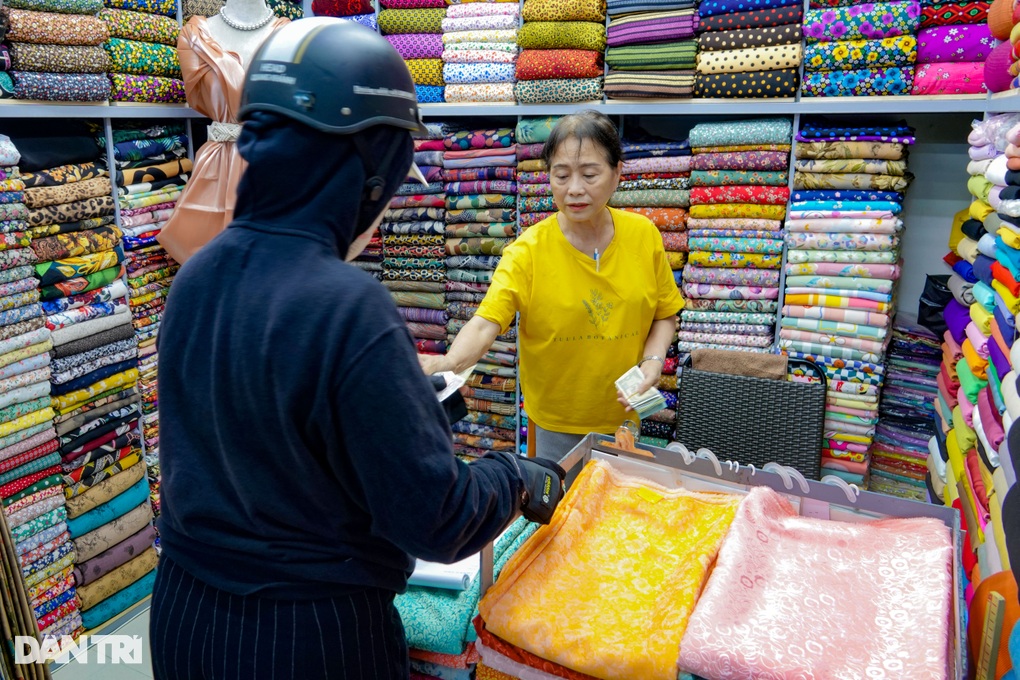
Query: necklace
(233, 23)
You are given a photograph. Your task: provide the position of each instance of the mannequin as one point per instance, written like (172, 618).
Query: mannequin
(214, 54)
(242, 13)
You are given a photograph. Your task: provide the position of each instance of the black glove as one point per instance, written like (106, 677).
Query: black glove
(453, 405)
(543, 488)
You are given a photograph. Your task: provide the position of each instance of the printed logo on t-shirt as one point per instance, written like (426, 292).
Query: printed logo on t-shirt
(599, 310)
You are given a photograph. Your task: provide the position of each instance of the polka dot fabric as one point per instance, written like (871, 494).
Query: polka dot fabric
(752, 85)
(755, 59)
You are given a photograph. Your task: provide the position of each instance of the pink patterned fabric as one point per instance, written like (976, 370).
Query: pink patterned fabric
(865, 600)
(967, 77)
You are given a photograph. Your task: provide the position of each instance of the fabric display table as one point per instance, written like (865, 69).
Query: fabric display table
(148, 195)
(977, 400)
(843, 235)
(651, 49)
(738, 201)
(749, 49)
(143, 57)
(480, 176)
(479, 51)
(419, 31)
(54, 51)
(906, 413)
(93, 374)
(855, 49)
(609, 518)
(562, 43)
(535, 199)
(30, 480)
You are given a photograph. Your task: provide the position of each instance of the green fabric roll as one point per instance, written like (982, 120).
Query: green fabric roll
(715, 178)
(61, 6)
(970, 384)
(142, 58)
(651, 198)
(566, 35)
(674, 56)
(535, 130)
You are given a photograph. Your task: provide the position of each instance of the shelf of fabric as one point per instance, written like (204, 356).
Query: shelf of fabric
(480, 184)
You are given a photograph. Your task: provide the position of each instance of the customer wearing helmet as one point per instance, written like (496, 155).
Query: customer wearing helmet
(304, 456)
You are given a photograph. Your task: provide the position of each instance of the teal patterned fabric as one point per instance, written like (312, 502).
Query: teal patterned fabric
(438, 620)
(745, 132)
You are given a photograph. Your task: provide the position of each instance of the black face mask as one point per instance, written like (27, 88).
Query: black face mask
(301, 180)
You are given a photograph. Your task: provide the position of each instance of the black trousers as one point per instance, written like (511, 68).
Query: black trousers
(198, 632)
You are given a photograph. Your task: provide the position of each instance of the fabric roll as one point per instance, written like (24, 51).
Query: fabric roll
(953, 13)
(666, 56)
(554, 64)
(564, 10)
(859, 82)
(576, 35)
(769, 58)
(954, 43)
(709, 8)
(789, 34)
(58, 58)
(846, 55)
(949, 78)
(61, 86)
(765, 18)
(649, 84)
(866, 22)
(652, 27)
(411, 20)
(417, 45)
(142, 58)
(50, 28)
(558, 91)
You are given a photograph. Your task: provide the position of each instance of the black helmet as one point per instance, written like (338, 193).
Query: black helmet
(334, 75)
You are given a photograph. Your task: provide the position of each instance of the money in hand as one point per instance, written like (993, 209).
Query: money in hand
(644, 404)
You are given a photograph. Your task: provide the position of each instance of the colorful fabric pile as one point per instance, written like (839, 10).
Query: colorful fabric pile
(143, 57)
(749, 49)
(857, 49)
(417, 34)
(480, 172)
(360, 11)
(843, 262)
(906, 413)
(30, 481)
(411, 257)
(441, 640)
(952, 47)
(55, 50)
(535, 200)
(656, 182)
(479, 51)
(94, 377)
(148, 194)
(739, 191)
(563, 43)
(651, 49)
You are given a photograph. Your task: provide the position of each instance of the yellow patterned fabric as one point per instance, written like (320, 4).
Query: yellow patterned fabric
(735, 260)
(567, 35)
(72, 400)
(741, 210)
(564, 10)
(29, 420)
(483, 672)
(608, 586)
(426, 71)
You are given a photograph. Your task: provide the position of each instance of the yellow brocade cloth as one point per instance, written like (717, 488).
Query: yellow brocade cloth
(607, 588)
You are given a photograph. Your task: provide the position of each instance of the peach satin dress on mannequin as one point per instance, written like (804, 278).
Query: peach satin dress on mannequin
(213, 78)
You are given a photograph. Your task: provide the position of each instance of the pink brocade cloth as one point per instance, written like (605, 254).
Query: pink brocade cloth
(794, 597)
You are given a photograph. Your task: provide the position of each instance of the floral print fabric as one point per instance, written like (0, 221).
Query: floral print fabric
(845, 55)
(750, 160)
(859, 82)
(58, 58)
(570, 90)
(139, 26)
(61, 86)
(949, 78)
(866, 21)
(808, 180)
(954, 43)
(49, 28)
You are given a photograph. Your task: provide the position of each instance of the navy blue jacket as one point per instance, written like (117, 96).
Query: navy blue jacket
(303, 452)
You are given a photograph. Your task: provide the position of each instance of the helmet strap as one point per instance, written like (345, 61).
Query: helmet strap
(375, 166)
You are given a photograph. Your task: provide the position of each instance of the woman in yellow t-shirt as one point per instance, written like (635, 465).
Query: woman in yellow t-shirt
(594, 290)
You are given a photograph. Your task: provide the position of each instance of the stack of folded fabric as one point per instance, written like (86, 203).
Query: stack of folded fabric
(860, 49)
(441, 641)
(535, 201)
(417, 35)
(34, 505)
(55, 48)
(951, 58)
(148, 195)
(93, 376)
(479, 51)
(651, 49)
(906, 413)
(413, 248)
(143, 57)
(479, 168)
(749, 49)
(738, 201)
(842, 266)
(563, 45)
(360, 11)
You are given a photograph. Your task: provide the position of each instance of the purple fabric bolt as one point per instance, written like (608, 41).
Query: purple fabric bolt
(957, 317)
(1000, 360)
(417, 45)
(954, 43)
(110, 559)
(653, 31)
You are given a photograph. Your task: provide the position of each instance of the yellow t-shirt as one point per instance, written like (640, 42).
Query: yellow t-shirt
(581, 329)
